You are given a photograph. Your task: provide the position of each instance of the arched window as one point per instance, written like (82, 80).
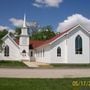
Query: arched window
(24, 53)
(78, 45)
(59, 52)
(6, 51)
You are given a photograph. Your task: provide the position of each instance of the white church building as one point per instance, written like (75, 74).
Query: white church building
(71, 47)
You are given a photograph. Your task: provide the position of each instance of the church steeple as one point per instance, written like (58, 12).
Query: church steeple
(24, 30)
(24, 22)
(24, 40)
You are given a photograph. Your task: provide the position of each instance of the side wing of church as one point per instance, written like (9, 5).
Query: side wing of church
(71, 46)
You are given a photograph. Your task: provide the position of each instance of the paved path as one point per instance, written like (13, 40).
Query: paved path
(44, 73)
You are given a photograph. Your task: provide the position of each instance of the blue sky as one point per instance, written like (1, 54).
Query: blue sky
(45, 12)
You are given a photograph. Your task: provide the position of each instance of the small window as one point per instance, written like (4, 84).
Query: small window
(58, 52)
(6, 51)
(23, 53)
(31, 53)
(43, 52)
(78, 45)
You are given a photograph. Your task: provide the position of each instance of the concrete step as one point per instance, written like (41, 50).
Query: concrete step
(30, 64)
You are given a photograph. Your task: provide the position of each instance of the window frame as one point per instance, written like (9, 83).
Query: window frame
(31, 53)
(59, 52)
(6, 51)
(78, 45)
(24, 53)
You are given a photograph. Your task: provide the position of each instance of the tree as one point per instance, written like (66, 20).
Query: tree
(1, 48)
(33, 28)
(17, 31)
(3, 33)
(44, 33)
(37, 33)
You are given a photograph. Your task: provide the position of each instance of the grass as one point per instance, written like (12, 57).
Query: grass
(44, 84)
(17, 64)
(12, 64)
(70, 65)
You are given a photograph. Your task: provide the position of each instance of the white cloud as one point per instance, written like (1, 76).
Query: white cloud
(37, 5)
(19, 22)
(47, 3)
(11, 30)
(72, 21)
(16, 22)
(3, 27)
(7, 28)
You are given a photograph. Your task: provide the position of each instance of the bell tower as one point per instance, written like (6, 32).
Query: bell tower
(24, 41)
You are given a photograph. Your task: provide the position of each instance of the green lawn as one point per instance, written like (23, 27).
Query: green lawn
(44, 84)
(17, 64)
(12, 64)
(70, 65)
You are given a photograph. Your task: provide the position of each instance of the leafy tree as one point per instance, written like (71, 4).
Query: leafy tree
(17, 31)
(3, 33)
(44, 33)
(1, 48)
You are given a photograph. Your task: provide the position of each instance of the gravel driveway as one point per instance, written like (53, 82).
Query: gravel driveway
(44, 73)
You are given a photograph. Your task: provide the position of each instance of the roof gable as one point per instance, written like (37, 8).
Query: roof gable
(8, 36)
(79, 25)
